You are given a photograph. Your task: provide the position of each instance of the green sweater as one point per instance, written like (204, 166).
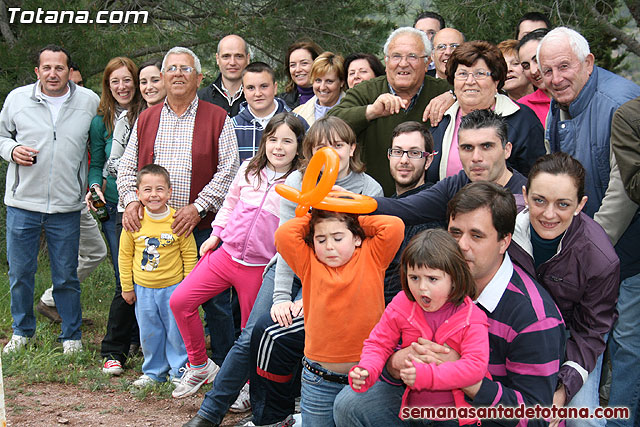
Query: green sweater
(374, 137)
(100, 149)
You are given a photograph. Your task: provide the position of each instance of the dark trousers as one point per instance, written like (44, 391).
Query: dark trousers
(277, 353)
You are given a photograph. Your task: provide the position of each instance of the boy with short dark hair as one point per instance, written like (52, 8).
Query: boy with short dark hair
(153, 261)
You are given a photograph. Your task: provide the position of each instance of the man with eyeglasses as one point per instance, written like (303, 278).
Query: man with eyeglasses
(232, 57)
(195, 141)
(444, 43)
(375, 107)
(410, 155)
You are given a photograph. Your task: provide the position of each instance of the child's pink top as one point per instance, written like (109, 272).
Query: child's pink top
(466, 332)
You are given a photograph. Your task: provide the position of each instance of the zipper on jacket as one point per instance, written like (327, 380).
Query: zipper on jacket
(255, 219)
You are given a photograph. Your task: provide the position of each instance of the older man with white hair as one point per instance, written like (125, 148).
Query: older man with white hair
(195, 141)
(375, 107)
(585, 97)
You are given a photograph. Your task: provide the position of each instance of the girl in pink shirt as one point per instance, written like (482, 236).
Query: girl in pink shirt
(436, 305)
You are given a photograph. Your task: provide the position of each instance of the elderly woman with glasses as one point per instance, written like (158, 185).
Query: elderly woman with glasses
(477, 70)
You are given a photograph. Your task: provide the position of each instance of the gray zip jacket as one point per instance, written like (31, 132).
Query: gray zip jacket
(57, 183)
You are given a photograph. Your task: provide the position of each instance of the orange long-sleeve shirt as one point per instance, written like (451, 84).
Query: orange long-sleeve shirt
(342, 304)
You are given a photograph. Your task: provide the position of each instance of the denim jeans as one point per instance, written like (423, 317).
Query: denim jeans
(588, 397)
(625, 353)
(162, 345)
(62, 232)
(379, 406)
(318, 397)
(234, 371)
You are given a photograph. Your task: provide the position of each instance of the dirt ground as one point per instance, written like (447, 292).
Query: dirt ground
(63, 405)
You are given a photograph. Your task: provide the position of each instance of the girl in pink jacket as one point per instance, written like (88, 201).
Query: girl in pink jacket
(436, 305)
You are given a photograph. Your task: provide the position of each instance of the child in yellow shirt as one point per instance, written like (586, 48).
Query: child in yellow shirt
(153, 261)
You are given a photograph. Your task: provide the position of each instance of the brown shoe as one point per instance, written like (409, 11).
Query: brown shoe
(50, 313)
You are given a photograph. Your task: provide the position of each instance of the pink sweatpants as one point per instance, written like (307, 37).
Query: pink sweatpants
(214, 273)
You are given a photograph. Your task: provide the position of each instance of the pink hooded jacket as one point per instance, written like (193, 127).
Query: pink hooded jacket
(466, 332)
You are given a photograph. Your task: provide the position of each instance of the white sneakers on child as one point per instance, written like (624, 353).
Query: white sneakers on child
(243, 402)
(71, 346)
(144, 381)
(193, 378)
(15, 343)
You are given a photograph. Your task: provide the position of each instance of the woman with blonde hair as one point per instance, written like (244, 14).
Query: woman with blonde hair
(327, 78)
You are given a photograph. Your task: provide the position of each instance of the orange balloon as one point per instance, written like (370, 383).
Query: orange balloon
(317, 194)
(313, 191)
(345, 201)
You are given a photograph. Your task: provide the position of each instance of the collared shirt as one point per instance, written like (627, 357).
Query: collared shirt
(230, 98)
(413, 99)
(492, 293)
(172, 150)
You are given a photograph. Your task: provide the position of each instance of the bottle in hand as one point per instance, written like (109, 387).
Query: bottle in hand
(101, 208)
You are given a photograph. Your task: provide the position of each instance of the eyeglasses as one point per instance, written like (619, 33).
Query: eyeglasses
(412, 154)
(477, 75)
(411, 58)
(443, 46)
(184, 68)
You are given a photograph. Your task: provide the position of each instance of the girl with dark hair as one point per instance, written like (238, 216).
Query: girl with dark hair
(341, 260)
(437, 304)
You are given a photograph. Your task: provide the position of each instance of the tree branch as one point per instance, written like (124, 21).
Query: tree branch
(631, 43)
(5, 29)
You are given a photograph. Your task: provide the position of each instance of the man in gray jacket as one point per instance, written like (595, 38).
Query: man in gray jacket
(44, 129)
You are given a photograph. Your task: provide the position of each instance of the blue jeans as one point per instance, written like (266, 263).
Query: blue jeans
(318, 397)
(234, 371)
(160, 339)
(378, 406)
(62, 232)
(625, 353)
(588, 397)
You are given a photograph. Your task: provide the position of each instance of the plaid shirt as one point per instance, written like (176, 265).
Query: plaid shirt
(172, 149)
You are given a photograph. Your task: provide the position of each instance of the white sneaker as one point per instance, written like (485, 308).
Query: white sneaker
(15, 343)
(193, 378)
(112, 367)
(71, 346)
(144, 381)
(243, 402)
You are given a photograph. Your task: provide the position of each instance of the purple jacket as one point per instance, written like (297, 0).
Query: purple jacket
(582, 277)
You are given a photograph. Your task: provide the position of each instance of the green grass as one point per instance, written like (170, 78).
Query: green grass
(43, 361)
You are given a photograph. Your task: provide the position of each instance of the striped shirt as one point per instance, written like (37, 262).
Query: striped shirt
(172, 149)
(526, 337)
